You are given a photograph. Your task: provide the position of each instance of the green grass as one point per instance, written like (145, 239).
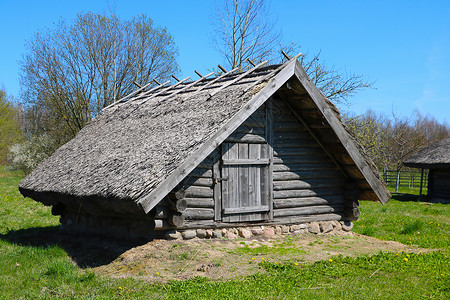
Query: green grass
(29, 272)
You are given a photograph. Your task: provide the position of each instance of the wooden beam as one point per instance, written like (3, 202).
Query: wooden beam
(186, 87)
(127, 96)
(237, 78)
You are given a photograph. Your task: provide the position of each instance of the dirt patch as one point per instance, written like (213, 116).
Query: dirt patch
(221, 259)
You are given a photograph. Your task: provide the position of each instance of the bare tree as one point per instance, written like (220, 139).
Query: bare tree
(243, 31)
(72, 72)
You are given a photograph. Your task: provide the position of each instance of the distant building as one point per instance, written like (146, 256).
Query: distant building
(436, 158)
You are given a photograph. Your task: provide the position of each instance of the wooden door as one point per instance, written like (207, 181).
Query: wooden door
(245, 182)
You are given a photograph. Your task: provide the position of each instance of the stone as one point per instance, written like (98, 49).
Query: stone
(189, 234)
(217, 234)
(303, 226)
(268, 231)
(230, 235)
(245, 233)
(173, 235)
(338, 226)
(347, 225)
(284, 229)
(235, 231)
(314, 228)
(277, 230)
(209, 233)
(201, 233)
(295, 228)
(224, 231)
(257, 231)
(326, 227)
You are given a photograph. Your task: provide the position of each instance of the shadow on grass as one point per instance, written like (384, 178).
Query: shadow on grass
(408, 197)
(86, 250)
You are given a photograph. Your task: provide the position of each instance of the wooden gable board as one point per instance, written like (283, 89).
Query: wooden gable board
(342, 134)
(155, 196)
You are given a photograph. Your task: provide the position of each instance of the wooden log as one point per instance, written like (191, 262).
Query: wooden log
(307, 184)
(198, 181)
(206, 224)
(307, 201)
(201, 172)
(303, 167)
(307, 210)
(291, 135)
(291, 126)
(298, 143)
(294, 151)
(251, 130)
(284, 194)
(200, 202)
(160, 224)
(199, 213)
(177, 194)
(199, 192)
(352, 211)
(317, 158)
(176, 219)
(246, 138)
(284, 176)
(178, 206)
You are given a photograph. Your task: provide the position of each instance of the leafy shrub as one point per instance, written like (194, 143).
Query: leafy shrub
(28, 155)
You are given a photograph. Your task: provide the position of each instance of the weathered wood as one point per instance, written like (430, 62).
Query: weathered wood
(195, 224)
(284, 176)
(238, 210)
(270, 152)
(217, 190)
(331, 118)
(307, 184)
(307, 210)
(188, 86)
(250, 129)
(177, 194)
(306, 193)
(176, 219)
(352, 211)
(198, 181)
(178, 205)
(155, 196)
(318, 158)
(294, 151)
(200, 172)
(246, 138)
(237, 78)
(295, 135)
(196, 213)
(160, 224)
(303, 167)
(200, 202)
(248, 161)
(299, 143)
(291, 126)
(199, 192)
(307, 201)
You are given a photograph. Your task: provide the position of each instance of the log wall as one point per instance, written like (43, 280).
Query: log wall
(305, 180)
(439, 184)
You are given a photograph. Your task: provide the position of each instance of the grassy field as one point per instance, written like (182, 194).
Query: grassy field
(40, 270)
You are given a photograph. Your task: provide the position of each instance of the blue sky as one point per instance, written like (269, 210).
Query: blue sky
(402, 46)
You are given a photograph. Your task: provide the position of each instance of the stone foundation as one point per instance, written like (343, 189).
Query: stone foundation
(266, 231)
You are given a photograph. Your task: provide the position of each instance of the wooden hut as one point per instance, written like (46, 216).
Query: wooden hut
(436, 158)
(261, 147)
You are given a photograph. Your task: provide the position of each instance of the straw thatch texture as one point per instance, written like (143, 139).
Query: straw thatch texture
(435, 156)
(129, 149)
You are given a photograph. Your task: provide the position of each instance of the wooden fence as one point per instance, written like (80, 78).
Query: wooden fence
(405, 178)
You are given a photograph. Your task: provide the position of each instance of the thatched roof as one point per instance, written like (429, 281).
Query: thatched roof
(435, 156)
(142, 148)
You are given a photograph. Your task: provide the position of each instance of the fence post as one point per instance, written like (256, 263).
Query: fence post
(421, 182)
(398, 181)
